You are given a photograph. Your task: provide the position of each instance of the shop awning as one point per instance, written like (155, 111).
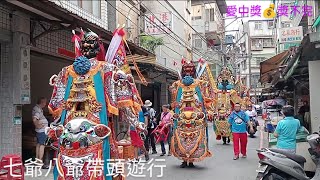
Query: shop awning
(271, 66)
(292, 68)
(316, 23)
(149, 64)
(141, 58)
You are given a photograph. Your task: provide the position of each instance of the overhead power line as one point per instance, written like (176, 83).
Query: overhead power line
(180, 39)
(174, 38)
(149, 20)
(181, 18)
(163, 25)
(117, 9)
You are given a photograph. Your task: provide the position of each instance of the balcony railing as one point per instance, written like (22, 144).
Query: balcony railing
(73, 8)
(257, 48)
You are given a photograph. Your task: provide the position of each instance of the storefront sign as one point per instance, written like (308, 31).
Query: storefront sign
(152, 23)
(291, 34)
(17, 120)
(25, 76)
(25, 98)
(288, 45)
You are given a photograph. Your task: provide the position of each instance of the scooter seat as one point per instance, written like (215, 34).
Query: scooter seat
(297, 158)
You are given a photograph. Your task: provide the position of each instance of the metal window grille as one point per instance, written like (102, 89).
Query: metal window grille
(198, 43)
(257, 25)
(270, 24)
(211, 12)
(5, 17)
(75, 9)
(52, 41)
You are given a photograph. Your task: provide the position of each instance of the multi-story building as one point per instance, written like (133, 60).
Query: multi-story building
(297, 22)
(207, 20)
(255, 40)
(128, 14)
(173, 17)
(294, 71)
(168, 21)
(145, 20)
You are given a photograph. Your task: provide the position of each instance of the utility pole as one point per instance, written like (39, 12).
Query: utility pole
(250, 55)
(139, 21)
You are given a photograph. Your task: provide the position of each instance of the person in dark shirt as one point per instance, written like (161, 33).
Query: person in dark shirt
(305, 108)
(302, 111)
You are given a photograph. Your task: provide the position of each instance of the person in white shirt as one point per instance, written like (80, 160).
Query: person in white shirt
(251, 112)
(40, 122)
(151, 126)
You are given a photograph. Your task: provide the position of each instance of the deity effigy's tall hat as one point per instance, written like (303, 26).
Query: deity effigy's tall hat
(77, 40)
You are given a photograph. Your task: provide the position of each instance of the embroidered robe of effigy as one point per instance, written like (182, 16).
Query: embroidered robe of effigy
(83, 96)
(190, 136)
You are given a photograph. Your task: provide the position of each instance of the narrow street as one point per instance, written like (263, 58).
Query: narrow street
(82, 82)
(219, 166)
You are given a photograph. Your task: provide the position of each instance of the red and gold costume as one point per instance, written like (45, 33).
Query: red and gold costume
(85, 96)
(190, 139)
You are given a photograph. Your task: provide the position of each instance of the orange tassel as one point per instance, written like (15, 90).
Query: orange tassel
(142, 79)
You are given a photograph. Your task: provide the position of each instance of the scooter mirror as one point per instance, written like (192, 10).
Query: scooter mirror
(313, 140)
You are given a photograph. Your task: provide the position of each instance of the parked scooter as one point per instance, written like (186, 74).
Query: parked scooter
(276, 164)
(254, 125)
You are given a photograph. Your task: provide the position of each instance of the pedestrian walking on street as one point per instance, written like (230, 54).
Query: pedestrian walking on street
(40, 122)
(152, 123)
(286, 130)
(136, 140)
(166, 119)
(238, 121)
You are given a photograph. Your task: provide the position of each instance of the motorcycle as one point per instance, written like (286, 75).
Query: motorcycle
(254, 125)
(277, 164)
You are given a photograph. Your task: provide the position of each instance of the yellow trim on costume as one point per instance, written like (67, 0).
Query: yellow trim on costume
(111, 109)
(211, 79)
(179, 143)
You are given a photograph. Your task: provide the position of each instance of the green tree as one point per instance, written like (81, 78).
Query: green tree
(150, 42)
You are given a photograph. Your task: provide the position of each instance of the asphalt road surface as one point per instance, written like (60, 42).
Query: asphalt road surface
(220, 166)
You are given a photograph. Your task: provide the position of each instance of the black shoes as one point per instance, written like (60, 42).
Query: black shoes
(191, 165)
(45, 167)
(183, 165)
(162, 154)
(154, 152)
(147, 157)
(226, 141)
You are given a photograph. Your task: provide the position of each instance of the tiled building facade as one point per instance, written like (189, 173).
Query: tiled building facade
(8, 131)
(10, 20)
